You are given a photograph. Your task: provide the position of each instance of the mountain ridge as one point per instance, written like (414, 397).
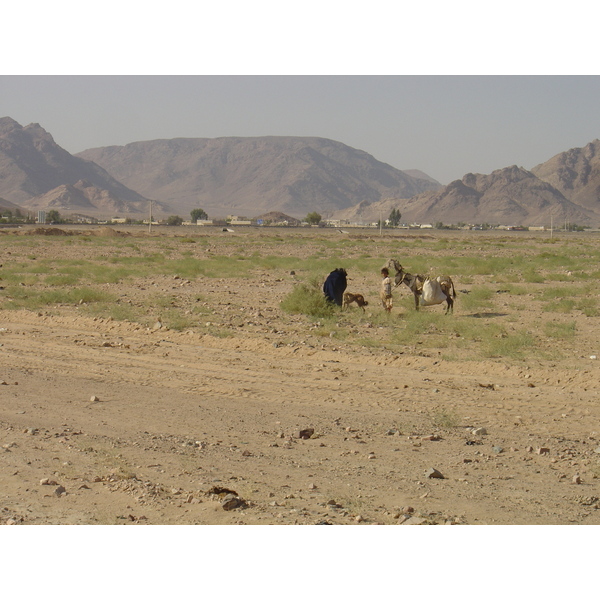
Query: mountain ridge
(235, 175)
(32, 165)
(246, 176)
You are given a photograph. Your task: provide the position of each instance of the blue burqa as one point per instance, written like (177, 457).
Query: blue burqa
(335, 286)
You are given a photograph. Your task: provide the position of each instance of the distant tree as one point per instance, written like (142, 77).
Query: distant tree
(53, 216)
(198, 214)
(394, 218)
(174, 220)
(313, 218)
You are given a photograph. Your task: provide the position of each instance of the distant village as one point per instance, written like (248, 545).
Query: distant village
(53, 217)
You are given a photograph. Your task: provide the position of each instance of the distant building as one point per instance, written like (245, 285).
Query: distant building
(41, 216)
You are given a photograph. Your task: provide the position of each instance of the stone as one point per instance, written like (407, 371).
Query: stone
(498, 449)
(479, 431)
(60, 490)
(434, 474)
(305, 434)
(576, 479)
(230, 502)
(543, 451)
(94, 399)
(415, 521)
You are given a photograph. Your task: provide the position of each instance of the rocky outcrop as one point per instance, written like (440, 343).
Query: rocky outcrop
(576, 174)
(510, 196)
(32, 164)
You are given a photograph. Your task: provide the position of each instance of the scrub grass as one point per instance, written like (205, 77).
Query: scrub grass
(504, 275)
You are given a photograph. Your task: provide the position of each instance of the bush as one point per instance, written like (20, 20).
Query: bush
(174, 220)
(307, 299)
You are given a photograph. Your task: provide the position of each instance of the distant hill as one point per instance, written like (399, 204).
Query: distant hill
(83, 197)
(576, 174)
(6, 205)
(509, 196)
(278, 217)
(32, 164)
(249, 176)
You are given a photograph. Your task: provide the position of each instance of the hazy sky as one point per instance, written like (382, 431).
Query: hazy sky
(447, 88)
(444, 125)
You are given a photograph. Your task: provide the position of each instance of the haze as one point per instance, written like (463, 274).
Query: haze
(445, 126)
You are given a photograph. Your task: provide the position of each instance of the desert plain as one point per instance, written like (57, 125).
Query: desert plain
(182, 376)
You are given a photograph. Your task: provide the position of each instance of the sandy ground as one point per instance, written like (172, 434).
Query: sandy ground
(107, 422)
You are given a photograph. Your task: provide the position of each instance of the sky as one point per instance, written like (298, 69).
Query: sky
(446, 88)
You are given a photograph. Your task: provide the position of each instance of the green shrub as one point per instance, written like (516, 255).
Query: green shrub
(308, 299)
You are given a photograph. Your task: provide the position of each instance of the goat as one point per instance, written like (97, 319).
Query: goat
(426, 290)
(349, 298)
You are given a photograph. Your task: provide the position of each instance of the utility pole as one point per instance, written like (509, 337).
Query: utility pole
(150, 221)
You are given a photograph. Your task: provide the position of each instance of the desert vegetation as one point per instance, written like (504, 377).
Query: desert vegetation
(503, 282)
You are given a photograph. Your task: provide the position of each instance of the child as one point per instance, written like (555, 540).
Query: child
(386, 290)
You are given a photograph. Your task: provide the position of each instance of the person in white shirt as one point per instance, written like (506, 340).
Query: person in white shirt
(386, 290)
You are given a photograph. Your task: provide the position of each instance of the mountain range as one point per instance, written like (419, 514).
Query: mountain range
(292, 175)
(246, 176)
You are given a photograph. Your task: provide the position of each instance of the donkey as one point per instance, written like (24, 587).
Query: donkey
(426, 290)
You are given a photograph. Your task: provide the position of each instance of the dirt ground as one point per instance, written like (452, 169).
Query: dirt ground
(110, 422)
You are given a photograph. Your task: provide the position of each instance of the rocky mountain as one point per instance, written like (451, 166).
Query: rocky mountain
(32, 165)
(6, 205)
(509, 196)
(83, 197)
(290, 175)
(576, 174)
(249, 176)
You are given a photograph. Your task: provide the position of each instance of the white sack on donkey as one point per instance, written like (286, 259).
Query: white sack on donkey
(427, 291)
(432, 293)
